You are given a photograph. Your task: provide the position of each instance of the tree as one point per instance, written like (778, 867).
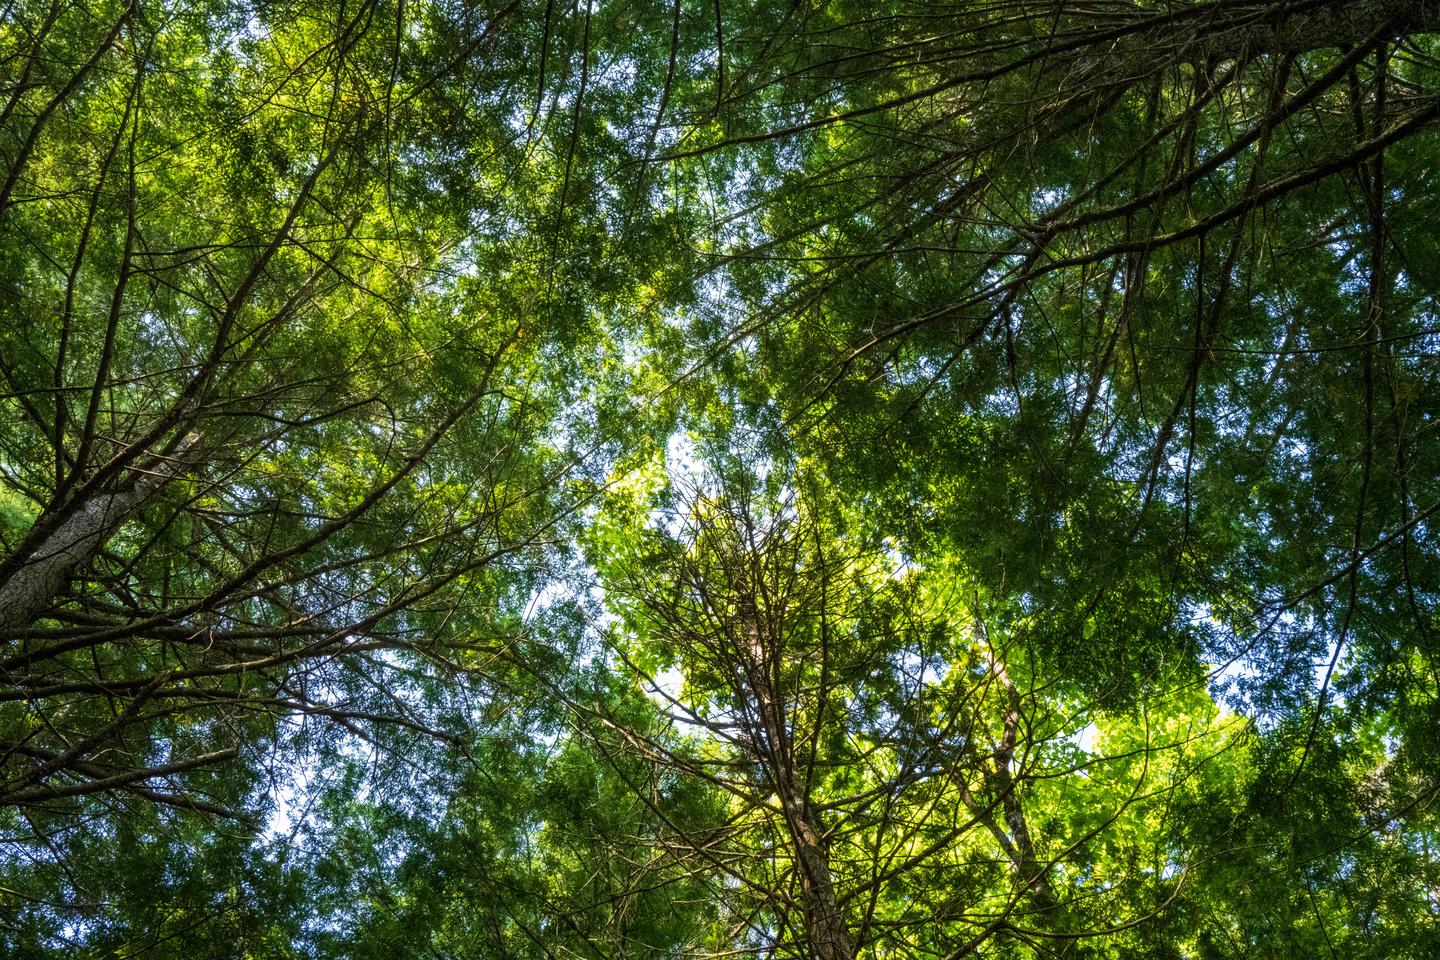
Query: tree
(271, 478)
(1121, 317)
(1106, 288)
(899, 778)
(1058, 578)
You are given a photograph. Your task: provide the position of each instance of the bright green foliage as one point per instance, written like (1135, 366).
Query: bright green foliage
(816, 479)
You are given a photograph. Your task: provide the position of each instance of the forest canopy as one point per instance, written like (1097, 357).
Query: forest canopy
(792, 478)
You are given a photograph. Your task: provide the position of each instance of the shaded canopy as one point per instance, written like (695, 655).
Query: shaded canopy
(811, 479)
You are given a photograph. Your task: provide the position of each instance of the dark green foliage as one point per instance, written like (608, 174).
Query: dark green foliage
(818, 479)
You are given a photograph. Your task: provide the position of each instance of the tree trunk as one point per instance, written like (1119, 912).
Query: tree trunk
(1126, 46)
(43, 576)
(824, 923)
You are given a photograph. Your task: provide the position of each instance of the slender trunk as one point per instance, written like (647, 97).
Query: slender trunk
(1020, 848)
(824, 923)
(43, 576)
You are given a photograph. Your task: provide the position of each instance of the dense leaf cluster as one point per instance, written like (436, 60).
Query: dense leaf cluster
(820, 479)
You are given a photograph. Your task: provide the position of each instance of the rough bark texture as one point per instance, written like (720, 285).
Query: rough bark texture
(1283, 28)
(1128, 46)
(43, 576)
(1085, 69)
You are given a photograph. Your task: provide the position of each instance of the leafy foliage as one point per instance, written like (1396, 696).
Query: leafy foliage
(809, 479)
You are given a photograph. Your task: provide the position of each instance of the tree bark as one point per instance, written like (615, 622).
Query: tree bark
(824, 923)
(1279, 28)
(42, 576)
(1121, 48)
